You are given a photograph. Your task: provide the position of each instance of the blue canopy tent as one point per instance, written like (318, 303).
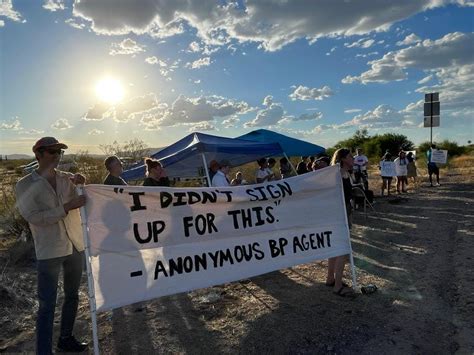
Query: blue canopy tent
(291, 146)
(190, 156)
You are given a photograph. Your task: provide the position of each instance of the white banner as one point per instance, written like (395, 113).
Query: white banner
(147, 242)
(439, 156)
(388, 169)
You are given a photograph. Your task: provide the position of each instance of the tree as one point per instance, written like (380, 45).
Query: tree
(357, 140)
(135, 149)
(388, 142)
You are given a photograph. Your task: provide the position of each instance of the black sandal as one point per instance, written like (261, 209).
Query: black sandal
(347, 294)
(331, 284)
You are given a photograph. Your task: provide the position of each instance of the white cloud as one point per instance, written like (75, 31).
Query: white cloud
(61, 124)
(75, 24)
(454, 49)
(2, 23)
(95, 132)
(366, 55)
(231, 122)
(124, 111)
(6, 10)
(96, 112)
(154, 60)
(14, 125)
(273, 24)
(426, 79)
(185, 110)
(54, 5)
(268, 116)
(410, 39)
(202, 126)
(383, 116)
(127, 46)
(201, 62)
(305, 93)
(194, 47)
(32, 131)
(303, 117)
(268, 100)
(352, 110)
(362, 43)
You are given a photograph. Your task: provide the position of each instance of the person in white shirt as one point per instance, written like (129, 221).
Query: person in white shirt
(263, 174)
(360, 168)
(220, 178)
(401, 164)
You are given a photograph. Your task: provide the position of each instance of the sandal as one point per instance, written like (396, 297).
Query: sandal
(331, 284)
(348, 294)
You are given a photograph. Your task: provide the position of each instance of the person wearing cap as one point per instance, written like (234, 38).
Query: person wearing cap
(48, 201)
(220, 178)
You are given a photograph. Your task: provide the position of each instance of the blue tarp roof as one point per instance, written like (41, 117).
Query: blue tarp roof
(184, 158)
(291, 146)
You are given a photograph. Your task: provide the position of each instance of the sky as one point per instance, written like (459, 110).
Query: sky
(92, 72)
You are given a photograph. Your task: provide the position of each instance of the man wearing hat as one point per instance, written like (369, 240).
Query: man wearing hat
(47, 199)
(220, 178)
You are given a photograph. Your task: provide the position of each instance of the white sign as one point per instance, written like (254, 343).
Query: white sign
(147, 242)
(387, 169)
(439, 156)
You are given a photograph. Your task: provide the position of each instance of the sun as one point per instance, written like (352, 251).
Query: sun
(110, 90)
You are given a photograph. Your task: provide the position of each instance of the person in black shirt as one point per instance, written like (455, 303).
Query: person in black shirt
(115, 168)
(155, 174)
(344, 158)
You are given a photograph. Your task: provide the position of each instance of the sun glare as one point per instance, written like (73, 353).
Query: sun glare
(110, 90)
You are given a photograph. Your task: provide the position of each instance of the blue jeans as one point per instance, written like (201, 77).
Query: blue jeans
(48, 274)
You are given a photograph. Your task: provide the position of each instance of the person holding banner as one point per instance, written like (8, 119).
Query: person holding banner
(220, 178)
(386, 172)
(344, 158)
(401, 167)
(115, 168)
(47, 199)
(432, 167)
(155, 174)
(264, 173)
(411, 167)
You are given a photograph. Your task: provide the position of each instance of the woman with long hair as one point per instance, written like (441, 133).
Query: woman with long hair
(155, 174)
(344, 158)
(401, 167)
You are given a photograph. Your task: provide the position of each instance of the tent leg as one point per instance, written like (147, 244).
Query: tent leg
(206, 170)
(289, 161)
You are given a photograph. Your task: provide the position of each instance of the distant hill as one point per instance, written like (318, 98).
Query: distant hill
(17, 156)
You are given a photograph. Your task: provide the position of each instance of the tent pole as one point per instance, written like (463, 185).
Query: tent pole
(206, 170)
(289, 161)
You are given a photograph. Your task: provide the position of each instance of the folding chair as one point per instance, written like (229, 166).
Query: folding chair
(358, 191)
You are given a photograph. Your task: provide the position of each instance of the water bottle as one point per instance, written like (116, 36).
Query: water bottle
(367, 289)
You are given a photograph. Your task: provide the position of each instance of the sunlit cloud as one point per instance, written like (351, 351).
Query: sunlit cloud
(126, 47)
(61, 124)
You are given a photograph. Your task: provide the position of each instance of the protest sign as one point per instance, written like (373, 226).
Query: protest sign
(147, 242)
(439, 156)
(387, 169)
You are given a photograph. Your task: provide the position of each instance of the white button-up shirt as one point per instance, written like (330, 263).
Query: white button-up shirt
(54, 231)
(220, 179)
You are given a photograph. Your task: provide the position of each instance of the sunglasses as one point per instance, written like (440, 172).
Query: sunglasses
(54, 151)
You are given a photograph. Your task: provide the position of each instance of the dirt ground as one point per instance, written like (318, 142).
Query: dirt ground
(418, 249)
